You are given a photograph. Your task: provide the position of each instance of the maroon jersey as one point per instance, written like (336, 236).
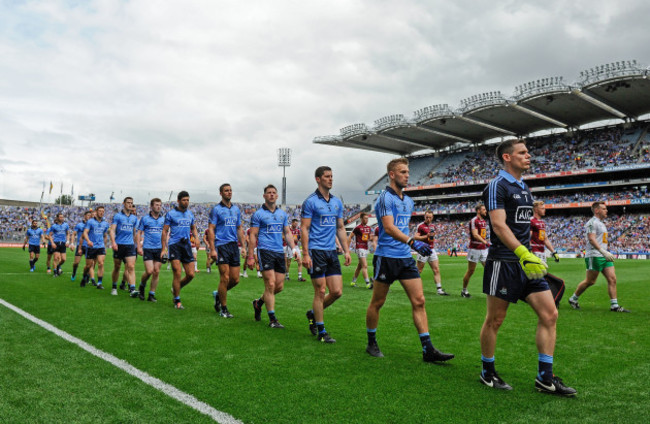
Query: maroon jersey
(538, 234)
(377, 231)
(429, 231)
(362, 235)
(479, 225)
(295, 232)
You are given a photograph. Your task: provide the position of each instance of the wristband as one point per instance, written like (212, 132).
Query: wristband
(410, 241)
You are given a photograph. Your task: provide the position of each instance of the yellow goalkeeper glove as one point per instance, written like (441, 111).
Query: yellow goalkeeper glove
(531, 264)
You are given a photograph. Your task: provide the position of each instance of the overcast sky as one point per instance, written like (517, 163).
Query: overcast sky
(147, 97)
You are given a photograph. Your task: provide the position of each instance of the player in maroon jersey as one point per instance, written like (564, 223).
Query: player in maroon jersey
(538, 239)
(362, 234)
(426, 232)
(288, 253)
(478, 245)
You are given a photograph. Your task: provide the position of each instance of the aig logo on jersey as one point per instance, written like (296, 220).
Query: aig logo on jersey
(524, 214)
(274, 228)
(230, 222)
(184, 222)
(328, 220)
(402, 220)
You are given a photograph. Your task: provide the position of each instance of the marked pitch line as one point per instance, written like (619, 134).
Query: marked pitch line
(169, 390)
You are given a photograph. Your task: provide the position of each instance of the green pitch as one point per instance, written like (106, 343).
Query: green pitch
(263, 375)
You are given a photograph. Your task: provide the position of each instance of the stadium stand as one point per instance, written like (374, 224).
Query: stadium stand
(573, 165)
(16, 219)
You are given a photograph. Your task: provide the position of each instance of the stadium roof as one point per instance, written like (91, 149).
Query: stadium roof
(616, 90)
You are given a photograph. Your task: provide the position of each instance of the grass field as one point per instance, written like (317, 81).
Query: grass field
(263, 375)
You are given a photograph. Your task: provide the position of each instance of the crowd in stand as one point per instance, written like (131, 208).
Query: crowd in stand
(552, 153)
(15, 220)
(591, 196)
(626, 233)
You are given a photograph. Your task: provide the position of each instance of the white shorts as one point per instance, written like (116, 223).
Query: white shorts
(477, 255)
(362, 253)
(431, 258)
(288, 252)
(194, 251)
(541, 255)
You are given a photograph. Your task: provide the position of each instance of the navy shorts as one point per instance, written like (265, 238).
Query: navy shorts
(124, 251)
(507, 281)
(151, 255)
(92, 253)
(387, 270)
(270, 260)
(83, 251)
(50, 249)
(181, 251)
(324, 263)
(35, 248)
(228, 254)
(60, 247)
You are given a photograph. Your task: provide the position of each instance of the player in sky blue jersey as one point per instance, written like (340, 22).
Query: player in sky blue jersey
(267, 226)
(393, 261)
(321, 224)
(513, 273)
(122, 241)
(225, 227)
(149, 245)
(178, 227)
(81, 245)
(61, 237)
(95, 236)
(34, 237)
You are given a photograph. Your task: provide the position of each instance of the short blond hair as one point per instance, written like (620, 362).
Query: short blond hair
(538, 203)
(397, 161)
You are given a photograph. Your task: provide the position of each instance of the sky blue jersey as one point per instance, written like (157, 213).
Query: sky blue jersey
(226, 220)
(180, 224)
(324, 215)
(390, 204)
(34, 236)
(124, 226)
(79, 229)
(96, 230)
(60, 232)
(152, 228)
(271, 226)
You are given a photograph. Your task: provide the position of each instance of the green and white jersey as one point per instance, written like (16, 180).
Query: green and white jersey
(595, 226)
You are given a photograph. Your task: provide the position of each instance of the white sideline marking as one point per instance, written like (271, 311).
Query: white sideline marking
(169, 390)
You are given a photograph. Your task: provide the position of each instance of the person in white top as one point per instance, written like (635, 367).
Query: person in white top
(598, 259)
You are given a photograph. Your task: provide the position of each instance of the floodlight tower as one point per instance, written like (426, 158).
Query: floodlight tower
(284, 160)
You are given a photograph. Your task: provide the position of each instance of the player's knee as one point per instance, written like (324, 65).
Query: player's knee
(549, 317)
(336, 293)
(232, 283)
(418, 302)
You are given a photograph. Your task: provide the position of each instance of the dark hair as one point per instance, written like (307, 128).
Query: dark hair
(321, 170)
(127, 198)
(268, 187)
(59, 214)
(294, 220)
(596, 205)
(222, 186)
(478, 207)
(154, 200)
(507, 147)
(363, 214)
(87, 212)
(182, 194)
(100, 207)
(428, 212)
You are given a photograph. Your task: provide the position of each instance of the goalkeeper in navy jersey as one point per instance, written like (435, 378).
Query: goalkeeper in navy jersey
(513, 273)
(393, 261)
